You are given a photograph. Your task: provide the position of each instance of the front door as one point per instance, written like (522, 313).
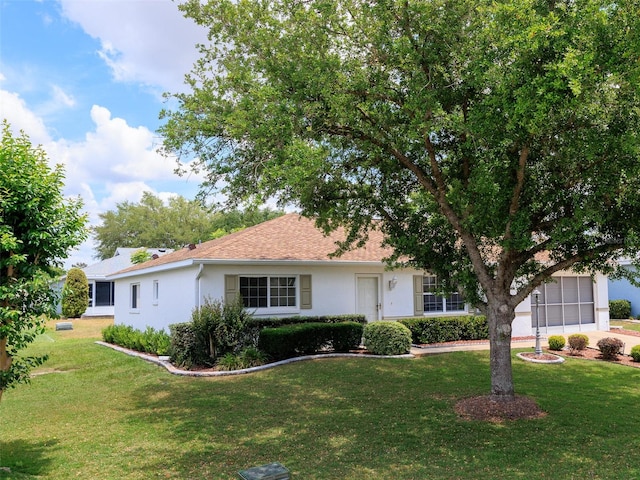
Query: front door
(368, 303)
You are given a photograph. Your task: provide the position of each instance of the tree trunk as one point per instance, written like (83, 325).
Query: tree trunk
(5, 359)
(500, 317)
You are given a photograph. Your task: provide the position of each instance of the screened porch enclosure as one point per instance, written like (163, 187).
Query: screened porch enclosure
(565, 302)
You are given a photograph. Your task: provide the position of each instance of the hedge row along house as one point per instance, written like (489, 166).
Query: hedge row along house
(284, 267)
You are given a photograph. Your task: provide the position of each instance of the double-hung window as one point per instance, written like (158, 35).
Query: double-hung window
(268, 291)
(135, 296)
(437, 303)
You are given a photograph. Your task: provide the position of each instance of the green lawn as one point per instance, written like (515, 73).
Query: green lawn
(97, 413)
(626, 324)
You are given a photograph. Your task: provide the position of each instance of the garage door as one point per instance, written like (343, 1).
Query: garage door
(566, 302)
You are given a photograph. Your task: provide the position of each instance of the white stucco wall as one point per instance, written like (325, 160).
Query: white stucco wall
(175, 303)
(334, 291)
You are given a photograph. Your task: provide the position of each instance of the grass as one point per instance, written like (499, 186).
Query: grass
(626, 324)
(95, 413)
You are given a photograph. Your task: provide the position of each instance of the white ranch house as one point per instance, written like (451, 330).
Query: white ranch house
(283, 267)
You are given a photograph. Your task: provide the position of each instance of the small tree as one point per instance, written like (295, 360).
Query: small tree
(140, 256)
(75, 294)
(38, 226)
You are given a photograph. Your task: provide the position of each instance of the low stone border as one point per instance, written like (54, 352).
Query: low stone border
(523, 356)
(223, 373)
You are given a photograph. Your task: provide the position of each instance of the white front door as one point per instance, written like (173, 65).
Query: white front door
(367, 301)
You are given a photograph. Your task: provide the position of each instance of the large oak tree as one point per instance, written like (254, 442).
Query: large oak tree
(496, 141)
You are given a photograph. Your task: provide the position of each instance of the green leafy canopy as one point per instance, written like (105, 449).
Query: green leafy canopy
(494, 143)
(38, 227)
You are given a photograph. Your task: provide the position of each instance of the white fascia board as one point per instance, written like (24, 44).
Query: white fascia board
(279, 263)
(158, 268)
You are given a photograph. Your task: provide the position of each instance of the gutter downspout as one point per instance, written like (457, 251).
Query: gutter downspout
(198, 286)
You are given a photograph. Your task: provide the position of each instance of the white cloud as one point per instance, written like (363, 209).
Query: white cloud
(146, 41)
(60, 97)
(113, 153)
(114, 163)
(14, 109)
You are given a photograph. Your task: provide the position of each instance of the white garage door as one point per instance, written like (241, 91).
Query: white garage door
(565, 303)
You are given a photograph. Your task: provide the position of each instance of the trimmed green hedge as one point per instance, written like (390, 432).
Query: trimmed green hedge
(272, 322)
(446, 329)
(387, 338)
(306, 338)
(150, 341)
(620, 309)
(186, 348)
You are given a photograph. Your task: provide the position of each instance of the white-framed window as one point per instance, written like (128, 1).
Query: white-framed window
(434, 303)
(135, 296)
(269, 291)
(156, 292)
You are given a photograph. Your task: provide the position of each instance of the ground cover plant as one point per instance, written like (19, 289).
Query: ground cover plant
(104, 414)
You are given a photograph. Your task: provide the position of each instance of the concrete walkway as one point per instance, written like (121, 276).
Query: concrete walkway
(628, 340)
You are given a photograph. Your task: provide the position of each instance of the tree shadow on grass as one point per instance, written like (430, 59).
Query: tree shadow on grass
(24, 459)
(382, 419)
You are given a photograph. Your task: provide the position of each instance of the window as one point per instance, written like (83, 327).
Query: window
(135, 296)
(267, 292)
(104, 294)
(156, 292)
(436, 303)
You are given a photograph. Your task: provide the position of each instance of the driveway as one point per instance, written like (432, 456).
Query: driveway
(628, 340)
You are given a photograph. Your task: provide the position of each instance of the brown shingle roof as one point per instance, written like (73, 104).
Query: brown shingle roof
(289, 237)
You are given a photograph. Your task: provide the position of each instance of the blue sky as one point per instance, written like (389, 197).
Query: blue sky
(84, 79)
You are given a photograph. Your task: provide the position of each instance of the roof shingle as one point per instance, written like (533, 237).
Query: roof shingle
(289, 237)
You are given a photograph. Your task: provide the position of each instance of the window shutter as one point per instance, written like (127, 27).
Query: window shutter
(305, 292)
(231, 288)
(418, 295)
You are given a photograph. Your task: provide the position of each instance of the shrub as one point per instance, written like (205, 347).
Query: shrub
(635, 353)
(150, 341)
(75, 294)
(446, 329)
(272, 322)
(251, 357)
(620, 309)
(247, 358)
(556, 342)
(186, 351)
(291, 340)
(577, 342)
(346, 336)
(221, 328)
(387, 338)
(229, 361)
(610, 347)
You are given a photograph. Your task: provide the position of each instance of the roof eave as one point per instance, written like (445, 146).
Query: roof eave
(236, 261)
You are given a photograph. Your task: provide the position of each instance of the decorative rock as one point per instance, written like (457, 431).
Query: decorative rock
(64, 326)
(271, 471)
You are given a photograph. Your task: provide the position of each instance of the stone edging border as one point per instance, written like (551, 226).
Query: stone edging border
(224, 373)
(559, 359)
